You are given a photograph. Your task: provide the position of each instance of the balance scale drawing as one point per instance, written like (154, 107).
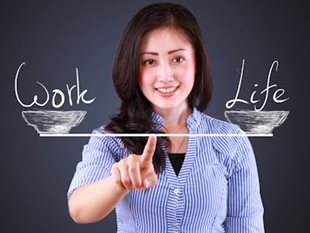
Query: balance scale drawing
(58, 123)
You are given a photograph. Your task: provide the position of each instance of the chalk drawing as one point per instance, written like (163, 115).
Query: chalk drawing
(257, 121)
(155, 134)
(53, 121)
(50, 121)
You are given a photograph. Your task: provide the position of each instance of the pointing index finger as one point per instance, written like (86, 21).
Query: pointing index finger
(149, 149)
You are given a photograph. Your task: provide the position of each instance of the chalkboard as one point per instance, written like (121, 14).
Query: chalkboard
(64, 50)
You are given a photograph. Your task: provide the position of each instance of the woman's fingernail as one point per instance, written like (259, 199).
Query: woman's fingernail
(147, 183)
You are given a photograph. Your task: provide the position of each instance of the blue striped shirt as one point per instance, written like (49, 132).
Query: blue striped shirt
(217, 189)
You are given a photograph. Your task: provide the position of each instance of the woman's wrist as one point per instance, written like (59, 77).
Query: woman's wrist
(121, 190)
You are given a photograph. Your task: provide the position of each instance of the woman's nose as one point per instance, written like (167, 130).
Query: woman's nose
(165, 72)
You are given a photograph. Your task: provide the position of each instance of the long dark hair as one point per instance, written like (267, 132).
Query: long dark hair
(135, 111)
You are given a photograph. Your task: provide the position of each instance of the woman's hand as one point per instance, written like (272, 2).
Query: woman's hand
(137, 171)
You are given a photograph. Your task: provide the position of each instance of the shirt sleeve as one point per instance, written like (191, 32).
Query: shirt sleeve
(245, 208)
(98, 157)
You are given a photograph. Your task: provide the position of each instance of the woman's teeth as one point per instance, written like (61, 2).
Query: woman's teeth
(167, 90)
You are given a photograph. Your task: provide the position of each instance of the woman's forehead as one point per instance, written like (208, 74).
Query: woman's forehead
(164, 38)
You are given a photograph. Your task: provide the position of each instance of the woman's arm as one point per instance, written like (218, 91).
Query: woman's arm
(92, 202)
(245, 208)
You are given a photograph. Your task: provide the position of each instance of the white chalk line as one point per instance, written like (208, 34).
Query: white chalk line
(152, 134)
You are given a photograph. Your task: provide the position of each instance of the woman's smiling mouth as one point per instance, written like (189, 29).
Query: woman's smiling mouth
(167, 91)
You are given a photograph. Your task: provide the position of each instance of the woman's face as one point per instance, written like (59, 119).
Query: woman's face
(167, 69)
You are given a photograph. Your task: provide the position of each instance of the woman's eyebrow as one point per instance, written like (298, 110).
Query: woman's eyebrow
(176, 50)
(156, 54)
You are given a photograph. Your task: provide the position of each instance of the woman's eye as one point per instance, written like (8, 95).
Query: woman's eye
(178, 59)
(149, 62)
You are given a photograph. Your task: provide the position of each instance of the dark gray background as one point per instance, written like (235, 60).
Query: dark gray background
(54, 37)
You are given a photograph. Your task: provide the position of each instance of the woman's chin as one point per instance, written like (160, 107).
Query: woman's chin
(172, 106)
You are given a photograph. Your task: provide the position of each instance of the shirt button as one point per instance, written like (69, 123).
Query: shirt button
(176, 191)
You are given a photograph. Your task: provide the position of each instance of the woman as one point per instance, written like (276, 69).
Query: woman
(175, 184)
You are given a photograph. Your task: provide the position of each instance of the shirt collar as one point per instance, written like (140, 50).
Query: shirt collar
(193, 120)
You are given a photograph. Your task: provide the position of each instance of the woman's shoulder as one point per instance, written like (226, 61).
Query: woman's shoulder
(101, 137)
(225, 136)
(216, 126)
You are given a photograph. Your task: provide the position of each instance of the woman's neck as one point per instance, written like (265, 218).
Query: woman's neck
(175, 120)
